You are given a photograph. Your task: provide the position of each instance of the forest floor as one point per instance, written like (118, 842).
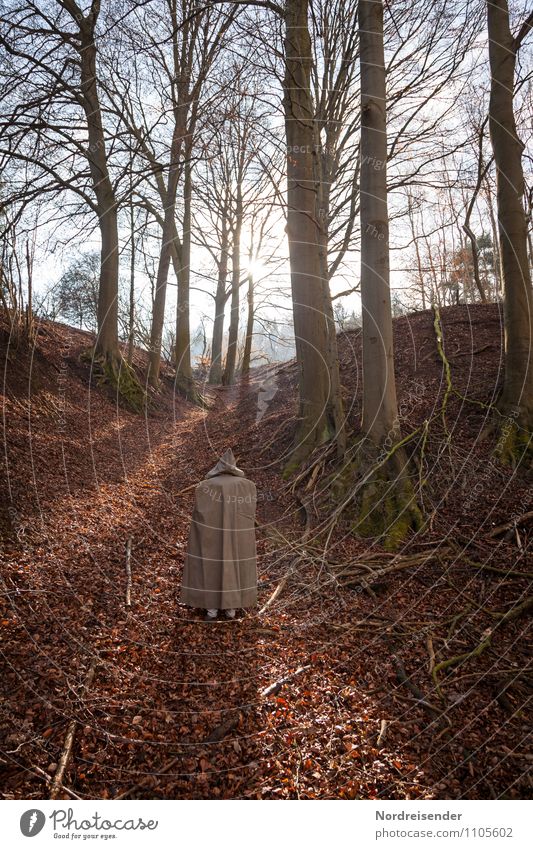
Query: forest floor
(179, 708)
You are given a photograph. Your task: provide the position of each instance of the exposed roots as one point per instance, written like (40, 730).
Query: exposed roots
(113, 370)
(186, 387)
(513, 613)
(382, 500)
(389, 509)
(515, 444)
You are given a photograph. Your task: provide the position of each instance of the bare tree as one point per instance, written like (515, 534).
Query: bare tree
(197, 35)
(391, 510)
(517, 397)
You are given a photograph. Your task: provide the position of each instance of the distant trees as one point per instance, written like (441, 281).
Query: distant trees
(196, 35)
(75, 298)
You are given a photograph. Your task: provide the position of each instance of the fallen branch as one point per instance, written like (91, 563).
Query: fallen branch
(495, 532)
(40, 773)
(279, 589)
(273, 689)
(57, 781)
(128, 572)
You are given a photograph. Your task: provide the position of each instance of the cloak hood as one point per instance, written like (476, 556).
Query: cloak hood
(226, 466)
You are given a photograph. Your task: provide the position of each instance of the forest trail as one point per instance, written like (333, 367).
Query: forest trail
(182, 708)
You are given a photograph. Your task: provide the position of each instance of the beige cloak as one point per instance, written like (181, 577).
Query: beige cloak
(220, 566)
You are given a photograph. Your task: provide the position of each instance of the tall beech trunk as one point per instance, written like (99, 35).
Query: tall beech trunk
(247, 353)
(517, 396)
(380, 411)
(167, 240)
(233, 333)
(182, 71)
(215, 371)
(310, 328)
(323, 172)
(107, 313)
(388, 506)
(184, 379)
(131, 316)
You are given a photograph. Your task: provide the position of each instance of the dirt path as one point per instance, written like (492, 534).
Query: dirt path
(176, 708)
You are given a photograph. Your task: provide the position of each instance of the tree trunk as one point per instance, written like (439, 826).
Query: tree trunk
(247, 354)
(388, 506)
(184, 379)
(167, 239)
(233, 334)
(481, 171)
(496, 261)
(517, 396)
(310, 328)
(131, 317)
(380, 412)
(215, 371)
(107, 338)
(323, 177)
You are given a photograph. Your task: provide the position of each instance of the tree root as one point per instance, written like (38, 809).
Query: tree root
(512, 613)
(443, 721)
(186, 387)
(114, 371)
(388, 507)
(515, 445)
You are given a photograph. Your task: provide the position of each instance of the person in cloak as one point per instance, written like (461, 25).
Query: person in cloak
(220, 572)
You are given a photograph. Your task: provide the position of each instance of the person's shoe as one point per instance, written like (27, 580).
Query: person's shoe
(208, 618)
(229, 614)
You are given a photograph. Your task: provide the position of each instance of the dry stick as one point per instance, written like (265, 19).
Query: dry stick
(274, 688)
(278, 589)
(69, 739)
(382, 733)
(508, 525)
(187, 489)
(431, 652)
(48, 778)
(498, 571)
(128, 571)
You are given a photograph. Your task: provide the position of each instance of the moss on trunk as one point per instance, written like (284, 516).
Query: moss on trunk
(388, 508)
(377, 495)
(113, 370)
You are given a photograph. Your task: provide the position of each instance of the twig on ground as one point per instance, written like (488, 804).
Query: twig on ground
(128, 571)
(57, 781)
(274, 688)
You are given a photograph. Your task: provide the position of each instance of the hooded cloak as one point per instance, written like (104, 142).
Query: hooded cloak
(220, 566)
